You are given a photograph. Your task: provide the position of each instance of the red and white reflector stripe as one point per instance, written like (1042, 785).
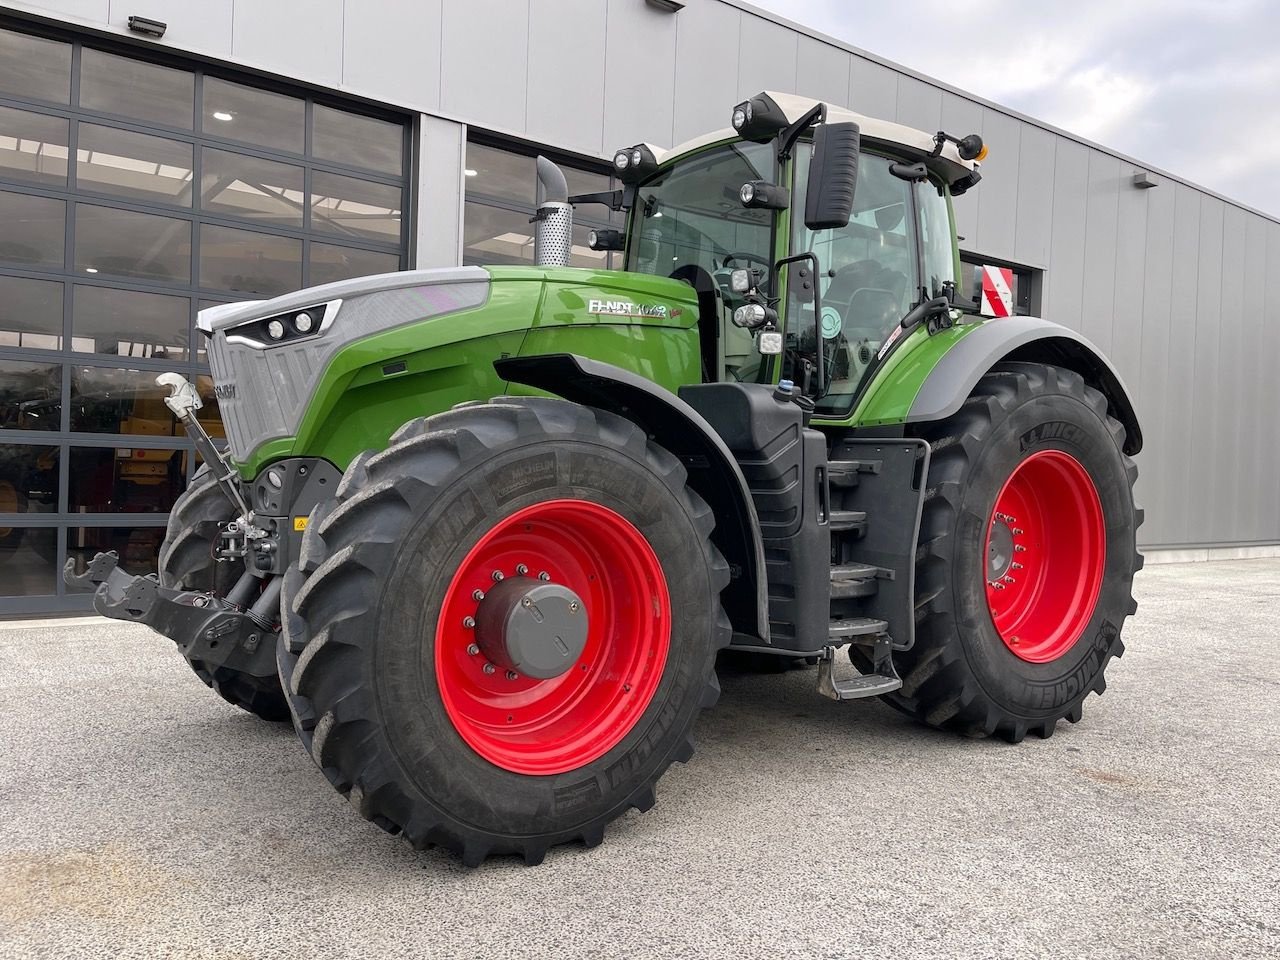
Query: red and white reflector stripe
(997, 291)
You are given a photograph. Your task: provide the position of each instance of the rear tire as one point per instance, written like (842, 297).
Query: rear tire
(186, 563)
(393, 704)
(1061, 598)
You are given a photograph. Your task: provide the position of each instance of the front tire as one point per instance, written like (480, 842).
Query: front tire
(389, 643)
(186, 563)
(1026, 557)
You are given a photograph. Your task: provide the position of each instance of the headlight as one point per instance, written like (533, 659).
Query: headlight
(740, 117)
(740, 281)
(621, 160)
(275, 330)
(749, 316)
(304, 322)
(747, 193)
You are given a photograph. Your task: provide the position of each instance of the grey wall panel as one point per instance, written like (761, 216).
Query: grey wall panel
(484, 62)
(706, 68)
(1099, 286)
(392, 64)
(199, 25)
(1267, 477)
(1179, 399)
(639, 108)
(822, 72)
(1155, 463)
(1064, 284)
(1037, 162)
(961, 116)
(1223, 462)
(766, 58)
(1252, 420)
(442, 148)
(997, 194)
(873, 89)
(313, 28)
(1204, 384)
(565, 102)
(919, 104)
(91, 11)
(1127, 301)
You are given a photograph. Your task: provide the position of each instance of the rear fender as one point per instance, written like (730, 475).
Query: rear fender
(1030, 339)
(714, 474)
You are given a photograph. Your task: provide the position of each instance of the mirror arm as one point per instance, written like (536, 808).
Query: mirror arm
(925, 310)
(788, 137)
(610, 198)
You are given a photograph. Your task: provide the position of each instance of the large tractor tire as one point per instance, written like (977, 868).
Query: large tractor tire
(12, 500)
(1026, 557)
(186, 563)
(501, 631)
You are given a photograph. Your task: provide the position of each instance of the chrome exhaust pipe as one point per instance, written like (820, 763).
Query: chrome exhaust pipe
(553, 223)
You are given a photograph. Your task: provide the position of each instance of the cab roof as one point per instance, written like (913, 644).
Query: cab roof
(948, 164)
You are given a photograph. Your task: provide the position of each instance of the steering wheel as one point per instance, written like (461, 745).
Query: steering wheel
(748, 258)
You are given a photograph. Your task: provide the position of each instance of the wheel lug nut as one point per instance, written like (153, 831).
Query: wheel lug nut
(473, 649)
(489, 668)
(1010, 580)
(544, 575)
(1019, 548)
(573, 606)
(497, 575)
(521, 569)
(477, 595)
(526, 602)
(512, 675)
(1015, 566)
(1017, 530)
(468, 622)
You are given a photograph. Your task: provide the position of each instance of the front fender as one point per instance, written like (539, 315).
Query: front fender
(713, 472)
(1031, 339)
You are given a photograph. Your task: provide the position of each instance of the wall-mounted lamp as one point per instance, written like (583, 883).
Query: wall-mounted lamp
(666, 6)
(151, 28)
(1144, 181)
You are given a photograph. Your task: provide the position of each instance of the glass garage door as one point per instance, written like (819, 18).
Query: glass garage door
(132, 194)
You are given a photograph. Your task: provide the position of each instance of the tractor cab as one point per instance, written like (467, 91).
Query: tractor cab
(810, 233)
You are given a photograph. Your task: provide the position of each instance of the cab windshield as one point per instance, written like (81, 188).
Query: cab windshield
(690, 215)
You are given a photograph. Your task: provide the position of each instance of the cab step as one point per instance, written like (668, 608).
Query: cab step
(843, 520)
(851, 580)
(843, 631)
(852, 685)
(846, 473)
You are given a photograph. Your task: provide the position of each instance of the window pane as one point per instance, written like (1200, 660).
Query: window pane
(494, 236)
(246, 262)
(28, 479)
(30, 313)
(254, 116)
(32, 146)
(30, 395)
(137, 547)
(330, 263)
(131, 88)
(129, 324)
(585, 181)
(35, 68)
(124, 479)
(33, 230)
(355, 208)
(357, 141)
(133, 165)
(28, 556)
(248, 187)
(114, 400)
(499, 174)
(126, 244)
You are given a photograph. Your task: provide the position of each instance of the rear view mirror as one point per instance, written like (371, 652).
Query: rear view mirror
(833, 175)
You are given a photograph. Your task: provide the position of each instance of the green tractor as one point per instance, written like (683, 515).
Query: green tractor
(779, 429)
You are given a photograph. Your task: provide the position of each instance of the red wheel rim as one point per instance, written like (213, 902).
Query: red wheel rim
(550, 726)
(1045, 552)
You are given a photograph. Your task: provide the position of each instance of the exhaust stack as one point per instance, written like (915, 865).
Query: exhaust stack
(553, 230)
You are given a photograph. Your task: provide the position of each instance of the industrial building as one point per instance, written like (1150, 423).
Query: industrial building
(159, 156)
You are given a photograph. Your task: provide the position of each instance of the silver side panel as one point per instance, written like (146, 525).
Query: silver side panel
(263, 392)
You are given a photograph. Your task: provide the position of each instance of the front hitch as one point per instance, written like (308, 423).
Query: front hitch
(207, 628)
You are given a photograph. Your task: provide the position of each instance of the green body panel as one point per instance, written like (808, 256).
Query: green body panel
(448, 359)
(890, 394)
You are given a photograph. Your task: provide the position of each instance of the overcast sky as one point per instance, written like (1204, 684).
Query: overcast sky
(1192, 87)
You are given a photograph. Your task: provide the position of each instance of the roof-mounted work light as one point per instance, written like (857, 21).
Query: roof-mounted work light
(758, 119)
(633, 164)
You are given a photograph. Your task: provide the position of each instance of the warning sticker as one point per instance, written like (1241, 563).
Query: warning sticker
(299, 524)
(997, 291)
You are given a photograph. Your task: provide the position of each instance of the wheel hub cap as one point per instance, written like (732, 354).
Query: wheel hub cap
(536, 629)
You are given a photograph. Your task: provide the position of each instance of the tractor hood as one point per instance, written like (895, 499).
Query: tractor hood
(307, 374)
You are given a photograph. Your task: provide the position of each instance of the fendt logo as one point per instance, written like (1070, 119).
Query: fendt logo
(225, 391)
(625, 308)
